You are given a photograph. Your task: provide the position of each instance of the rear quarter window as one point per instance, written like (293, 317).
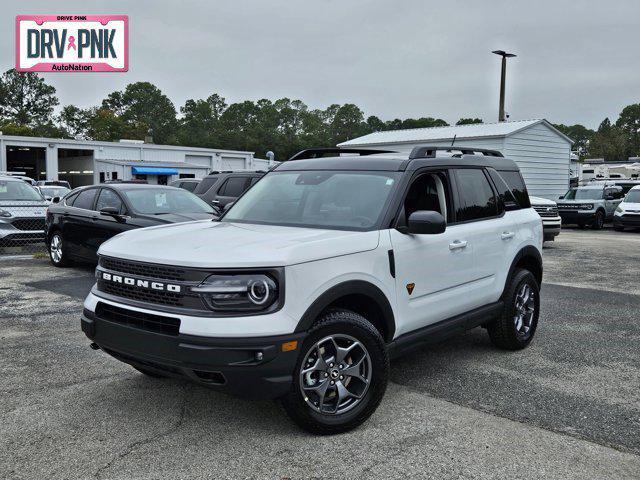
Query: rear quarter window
(516, 183)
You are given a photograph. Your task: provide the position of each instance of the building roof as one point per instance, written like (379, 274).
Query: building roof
(476, 130)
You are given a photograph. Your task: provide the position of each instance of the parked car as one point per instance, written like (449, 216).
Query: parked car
(627, 213)
(79, 223)
(188, 184)
(220, 188)
(551, 220)
(320, 273)
(54, 183)
(49, 192)
(591, 204)
(22, 213)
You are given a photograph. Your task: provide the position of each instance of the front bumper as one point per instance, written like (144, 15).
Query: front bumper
(626, 220)
(10, 234)
(226, 364)
(577, 216)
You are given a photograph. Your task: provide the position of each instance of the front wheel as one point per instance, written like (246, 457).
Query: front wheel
(58, 250)
(517, 325)
(341, 375)
(598, 222)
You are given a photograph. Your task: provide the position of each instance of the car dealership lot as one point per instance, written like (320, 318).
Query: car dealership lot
(568, 406)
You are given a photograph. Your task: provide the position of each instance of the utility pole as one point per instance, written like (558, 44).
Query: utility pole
(501, 114)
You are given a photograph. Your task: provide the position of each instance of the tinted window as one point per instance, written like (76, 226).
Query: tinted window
(233, 187)
(189, 186)
(70, 199)
(506, 197)
(109, 198)
(519, 189)
(206, 184)
(476, 196)
(85, 199)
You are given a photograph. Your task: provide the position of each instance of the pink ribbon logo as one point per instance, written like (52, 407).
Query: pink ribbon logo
(72, 43)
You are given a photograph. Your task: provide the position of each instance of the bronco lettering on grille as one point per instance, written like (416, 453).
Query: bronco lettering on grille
(135, 282)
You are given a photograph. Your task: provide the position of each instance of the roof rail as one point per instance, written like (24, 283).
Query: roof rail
(334, 151)
(430, 151)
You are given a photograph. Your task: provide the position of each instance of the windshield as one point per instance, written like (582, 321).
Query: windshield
(13, 190)
(337, 200)
(584, 194)
(633, 197)
(54, 191)
(156, 201)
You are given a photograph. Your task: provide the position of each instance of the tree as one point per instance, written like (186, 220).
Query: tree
(580, 135)
(142, 103)
(75, 120)
(629, 124)
(609, 142)
(469, 121)
(25, 99)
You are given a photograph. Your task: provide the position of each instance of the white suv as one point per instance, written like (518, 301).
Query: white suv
(627, 213)
(322, 272)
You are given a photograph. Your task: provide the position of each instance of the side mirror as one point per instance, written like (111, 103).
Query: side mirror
(55, 200)
(608, 197)
(426, 222)
(112, 212)
(560, 197)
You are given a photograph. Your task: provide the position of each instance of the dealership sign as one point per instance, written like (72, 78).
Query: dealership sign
(72, 43)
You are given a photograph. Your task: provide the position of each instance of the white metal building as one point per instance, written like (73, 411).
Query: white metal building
(541, 151)
(86, 162)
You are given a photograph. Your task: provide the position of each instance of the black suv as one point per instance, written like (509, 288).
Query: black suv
(220, 188)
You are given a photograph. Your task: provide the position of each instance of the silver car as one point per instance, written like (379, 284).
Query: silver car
(22, 213)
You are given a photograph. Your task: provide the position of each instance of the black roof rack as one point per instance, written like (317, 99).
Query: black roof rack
(334, 152)
(430, 151)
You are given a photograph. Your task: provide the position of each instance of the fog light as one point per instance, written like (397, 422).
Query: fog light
(259, 356)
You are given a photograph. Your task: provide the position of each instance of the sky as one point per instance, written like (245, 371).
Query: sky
(577, 59)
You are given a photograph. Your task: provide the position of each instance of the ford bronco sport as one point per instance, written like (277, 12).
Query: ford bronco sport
(322, 272)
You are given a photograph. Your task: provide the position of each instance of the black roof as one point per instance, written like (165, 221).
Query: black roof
(399, 162)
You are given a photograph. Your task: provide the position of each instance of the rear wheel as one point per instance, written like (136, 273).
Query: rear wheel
(58, 250)
(341, 375)
(517, 325)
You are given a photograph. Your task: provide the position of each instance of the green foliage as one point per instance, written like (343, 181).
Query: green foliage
(469, 121)
(609, 142)
(25, 99)
(580, 135)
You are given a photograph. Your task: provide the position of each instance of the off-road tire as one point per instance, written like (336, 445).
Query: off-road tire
(598, 221)
(502, 331)
(336, 322)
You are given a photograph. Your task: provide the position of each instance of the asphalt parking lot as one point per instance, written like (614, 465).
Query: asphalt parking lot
(567, 407)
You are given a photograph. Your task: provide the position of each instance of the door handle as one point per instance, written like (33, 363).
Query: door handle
(457, 244)
(507, 235)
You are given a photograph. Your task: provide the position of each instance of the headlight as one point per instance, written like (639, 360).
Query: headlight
(586, 206)
(238, 293)
(4, 213)
(619, 209)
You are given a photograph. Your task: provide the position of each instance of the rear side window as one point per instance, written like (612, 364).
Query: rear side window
(85, 199)
(70, 199)
(519, 189)
(477, 200)
(233, 187)
(505, 195)
(206, 184)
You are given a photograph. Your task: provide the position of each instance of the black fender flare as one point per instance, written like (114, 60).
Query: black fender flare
(528, 251)
(350, 287)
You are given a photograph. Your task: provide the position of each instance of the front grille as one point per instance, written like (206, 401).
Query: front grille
(546, 211)
(29, 224)
(149, 270)
(141, 295)
(140, 320)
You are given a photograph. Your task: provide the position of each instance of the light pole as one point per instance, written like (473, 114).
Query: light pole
(501, 115)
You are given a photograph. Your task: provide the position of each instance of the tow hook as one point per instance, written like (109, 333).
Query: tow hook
(94, 346)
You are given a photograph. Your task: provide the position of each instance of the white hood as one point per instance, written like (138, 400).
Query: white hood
(542, 201)
(231, 245)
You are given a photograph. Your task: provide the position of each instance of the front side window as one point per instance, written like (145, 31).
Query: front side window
(205, 184)
(189, 186)
(84, 199)
(233, 187)
(159, 201)
(476, 196)
(18, 190)
(109, 198)
(427, 192)
(340, 200)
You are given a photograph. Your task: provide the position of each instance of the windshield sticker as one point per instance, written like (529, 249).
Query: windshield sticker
(161, 199)
(389, 181)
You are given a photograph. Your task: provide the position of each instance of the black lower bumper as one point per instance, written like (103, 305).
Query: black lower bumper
(577, 217)
(627, 221)
(247, 367)
(550, 232)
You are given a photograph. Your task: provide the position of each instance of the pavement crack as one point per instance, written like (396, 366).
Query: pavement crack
(146, 441)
